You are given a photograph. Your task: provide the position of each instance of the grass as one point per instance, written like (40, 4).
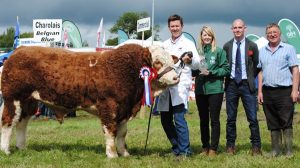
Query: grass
(79, 142)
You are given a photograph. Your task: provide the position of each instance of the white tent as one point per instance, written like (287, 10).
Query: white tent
(144, 43)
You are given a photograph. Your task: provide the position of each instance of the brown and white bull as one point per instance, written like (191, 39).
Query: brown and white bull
(106, 85)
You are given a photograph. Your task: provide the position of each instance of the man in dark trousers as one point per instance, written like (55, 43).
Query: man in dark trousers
(278, 83)
(242, 55)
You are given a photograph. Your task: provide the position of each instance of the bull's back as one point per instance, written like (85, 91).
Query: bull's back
(67, 77)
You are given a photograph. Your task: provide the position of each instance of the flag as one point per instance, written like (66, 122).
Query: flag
(122, 36)
(252, 37)
(290, 32)
(17, 33)
(103, 40)
(65, 38)
(99, 32)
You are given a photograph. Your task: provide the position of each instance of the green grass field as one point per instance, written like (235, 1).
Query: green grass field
(79, 142)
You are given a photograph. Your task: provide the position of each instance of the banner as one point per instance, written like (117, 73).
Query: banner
(252, 37)
(99, 31)
(103, 40)
(65, 38)
(17, 34)
(190, 37)
(122, 36)
(290, 32)
(74, 36)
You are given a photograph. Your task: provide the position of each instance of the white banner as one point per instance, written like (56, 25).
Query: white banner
(47, 30)
(143, 24)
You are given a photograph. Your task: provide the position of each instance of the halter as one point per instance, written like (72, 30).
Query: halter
(168, 69)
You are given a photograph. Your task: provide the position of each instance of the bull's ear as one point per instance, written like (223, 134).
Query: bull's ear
(147, 56)
(153, 48)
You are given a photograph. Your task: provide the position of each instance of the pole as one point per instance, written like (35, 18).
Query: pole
(152, 29)
(148, 129)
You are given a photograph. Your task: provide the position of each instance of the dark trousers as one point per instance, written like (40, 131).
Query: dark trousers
(233, 93)
(278, 107)
(209, 107)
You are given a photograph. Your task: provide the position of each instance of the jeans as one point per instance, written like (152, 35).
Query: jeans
(176, 129)
(209, 107)
(233, 93)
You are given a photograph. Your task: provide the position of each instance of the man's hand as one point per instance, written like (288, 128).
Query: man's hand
(204, 72)
(175, 59)
(260, 99)
(187, 59)
(294, 96)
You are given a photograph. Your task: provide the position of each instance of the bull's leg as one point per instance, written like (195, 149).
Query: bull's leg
(120, 139)
(111, 151)
(8, 121)
(21, 128)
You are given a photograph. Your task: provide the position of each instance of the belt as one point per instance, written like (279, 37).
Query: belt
(243, 80)
(277, 87)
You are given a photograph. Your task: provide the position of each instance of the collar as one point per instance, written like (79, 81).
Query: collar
(242, 41)
(176, 40)
(280, 45)
(207, 48)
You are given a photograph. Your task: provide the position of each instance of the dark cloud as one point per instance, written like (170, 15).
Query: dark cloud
(256, 13)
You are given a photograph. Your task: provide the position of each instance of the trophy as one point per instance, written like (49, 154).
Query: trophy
(203, 65)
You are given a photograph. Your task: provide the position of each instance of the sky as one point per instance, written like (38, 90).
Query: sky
(86, 14)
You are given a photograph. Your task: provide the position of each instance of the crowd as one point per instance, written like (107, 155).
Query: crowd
(233, 70)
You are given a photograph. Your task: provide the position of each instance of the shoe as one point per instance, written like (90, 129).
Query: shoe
(230, 150)
(212, 153)
(204, 151)
(256, 151)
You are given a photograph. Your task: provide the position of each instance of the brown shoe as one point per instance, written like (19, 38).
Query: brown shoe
(230, 150)
(212, 153)
(204, 151)
(256, 151)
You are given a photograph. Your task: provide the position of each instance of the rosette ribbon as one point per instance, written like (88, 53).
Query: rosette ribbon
(147, 74)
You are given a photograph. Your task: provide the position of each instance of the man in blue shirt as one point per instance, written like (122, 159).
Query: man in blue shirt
(278, 83)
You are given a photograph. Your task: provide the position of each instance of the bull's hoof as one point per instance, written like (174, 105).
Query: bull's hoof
(111, 156)
(6, 151)
(125, 154)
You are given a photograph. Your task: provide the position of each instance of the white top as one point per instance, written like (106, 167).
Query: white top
(179, 92)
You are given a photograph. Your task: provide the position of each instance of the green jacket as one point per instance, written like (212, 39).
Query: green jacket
(218, 67)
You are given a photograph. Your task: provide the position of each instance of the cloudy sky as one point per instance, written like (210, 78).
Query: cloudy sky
(86, 14)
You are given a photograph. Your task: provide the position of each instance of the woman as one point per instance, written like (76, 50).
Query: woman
(209, 89)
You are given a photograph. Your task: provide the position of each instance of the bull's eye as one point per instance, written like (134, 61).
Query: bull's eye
(157, 65)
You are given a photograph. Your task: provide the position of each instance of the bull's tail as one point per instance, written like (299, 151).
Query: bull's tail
(1, 111)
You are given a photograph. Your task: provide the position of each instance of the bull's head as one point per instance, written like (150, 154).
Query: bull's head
(162, 62)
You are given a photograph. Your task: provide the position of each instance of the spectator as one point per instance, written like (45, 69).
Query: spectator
(242, 56)
(278, 83)
(209, 89)
(173, 101)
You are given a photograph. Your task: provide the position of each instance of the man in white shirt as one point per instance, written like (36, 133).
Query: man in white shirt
(173, 101)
